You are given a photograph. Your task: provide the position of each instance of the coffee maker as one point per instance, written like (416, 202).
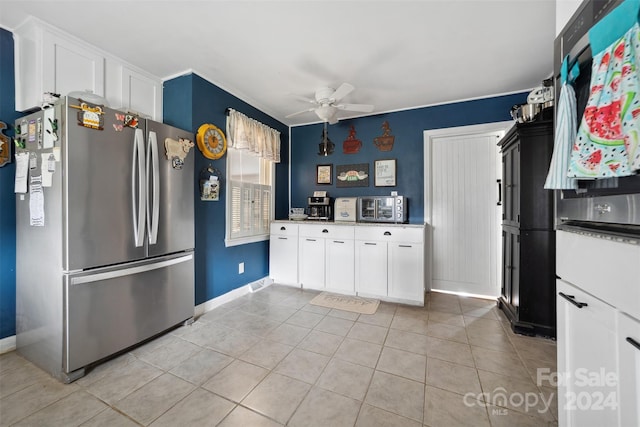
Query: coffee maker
(319, 206)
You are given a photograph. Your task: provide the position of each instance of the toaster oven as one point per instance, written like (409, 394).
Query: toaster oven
(392, 209)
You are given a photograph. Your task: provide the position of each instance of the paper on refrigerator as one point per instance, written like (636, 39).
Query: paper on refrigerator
(22, 172)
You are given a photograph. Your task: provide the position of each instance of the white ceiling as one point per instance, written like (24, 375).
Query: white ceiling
(398, 54)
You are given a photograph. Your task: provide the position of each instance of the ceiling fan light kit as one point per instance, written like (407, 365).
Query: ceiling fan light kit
(327, 102)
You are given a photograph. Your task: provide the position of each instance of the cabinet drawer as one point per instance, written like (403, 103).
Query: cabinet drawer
(588, 305)
(602, 267)
(326, 231)
(390, 234)
(284, 229)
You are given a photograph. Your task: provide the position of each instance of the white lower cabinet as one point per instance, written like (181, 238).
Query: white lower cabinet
(283, 253)
(311, 261)
(629, 362)
(390, 262)
(371, 267)
(598, 340)
(587, 363)
(406, 271)
(385, 262)
(326, 257)
(340, 265)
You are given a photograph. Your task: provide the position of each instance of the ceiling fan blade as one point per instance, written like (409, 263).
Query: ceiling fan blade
(342, 91)
(308, 110)
(302, 98)
(365, 108)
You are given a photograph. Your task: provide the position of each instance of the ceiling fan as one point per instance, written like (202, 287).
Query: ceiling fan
(327, 103)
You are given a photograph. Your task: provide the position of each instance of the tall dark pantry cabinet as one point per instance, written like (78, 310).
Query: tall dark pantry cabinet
(528, 237)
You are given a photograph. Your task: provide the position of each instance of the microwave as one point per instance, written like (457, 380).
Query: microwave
(392, 209)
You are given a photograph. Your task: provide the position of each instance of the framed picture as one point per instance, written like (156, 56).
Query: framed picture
(356, 175)
(385, 173)
(324, 174)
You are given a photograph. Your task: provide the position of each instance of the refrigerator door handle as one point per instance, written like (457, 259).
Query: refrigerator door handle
(137, 168)
(153, 169)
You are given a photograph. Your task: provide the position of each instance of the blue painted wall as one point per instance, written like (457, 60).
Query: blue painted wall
(408, 127)
(7, 197)
(189, 101)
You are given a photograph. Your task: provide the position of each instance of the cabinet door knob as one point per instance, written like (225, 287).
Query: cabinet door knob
(572, 300)
(387, 233)
(325, 230)
(283, 228)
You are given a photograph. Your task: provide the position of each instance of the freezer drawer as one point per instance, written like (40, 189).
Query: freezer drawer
(109, 311)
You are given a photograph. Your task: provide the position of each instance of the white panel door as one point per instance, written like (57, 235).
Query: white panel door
(463, 210)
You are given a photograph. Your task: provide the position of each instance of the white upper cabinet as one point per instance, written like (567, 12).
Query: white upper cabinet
(50, 60)
(141, 93)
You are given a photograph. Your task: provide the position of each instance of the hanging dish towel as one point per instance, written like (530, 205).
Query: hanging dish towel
(608, 137)
(565, 132)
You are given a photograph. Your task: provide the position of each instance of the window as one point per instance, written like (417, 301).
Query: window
(249, 204)
(250, 179)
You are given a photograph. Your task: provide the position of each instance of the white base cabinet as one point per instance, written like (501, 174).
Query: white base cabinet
(629, 364)
(598, 324)
(283, 254)
(339, 265)
(311, 261)
(381, 261)
(390, 262)
(371, 267)
(586, 329)
(326, 257)
(406, 270)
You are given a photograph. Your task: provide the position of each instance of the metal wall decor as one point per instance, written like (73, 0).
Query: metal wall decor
(356, 175)
(351, 145)
(384, 142)
(5, 146)
(326, 146)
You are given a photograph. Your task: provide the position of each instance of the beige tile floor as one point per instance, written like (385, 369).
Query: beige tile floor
(270, 358)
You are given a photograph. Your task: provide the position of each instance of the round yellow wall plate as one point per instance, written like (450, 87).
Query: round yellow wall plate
(211, 141)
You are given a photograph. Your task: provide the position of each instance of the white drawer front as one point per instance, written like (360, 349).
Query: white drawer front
(390, 234)
(602, 267)
(284, 229)
(327, 231)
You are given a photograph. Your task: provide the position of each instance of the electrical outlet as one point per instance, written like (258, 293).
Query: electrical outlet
(241, 268)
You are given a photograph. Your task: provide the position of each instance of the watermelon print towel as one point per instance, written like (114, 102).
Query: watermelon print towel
(607, 143)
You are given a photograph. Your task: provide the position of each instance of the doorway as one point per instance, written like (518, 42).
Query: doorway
(463, 208)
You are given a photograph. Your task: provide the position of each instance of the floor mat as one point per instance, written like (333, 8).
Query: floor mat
(346, 302)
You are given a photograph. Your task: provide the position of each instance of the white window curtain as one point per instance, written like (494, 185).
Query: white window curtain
(244, 133)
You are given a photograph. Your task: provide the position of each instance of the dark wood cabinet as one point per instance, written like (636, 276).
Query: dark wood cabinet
(528, 238)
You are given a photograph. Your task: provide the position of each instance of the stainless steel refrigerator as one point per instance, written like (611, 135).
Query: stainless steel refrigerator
(105, 234)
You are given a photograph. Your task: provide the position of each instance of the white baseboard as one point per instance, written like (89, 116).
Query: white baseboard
(231, 295)
(7, 344)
